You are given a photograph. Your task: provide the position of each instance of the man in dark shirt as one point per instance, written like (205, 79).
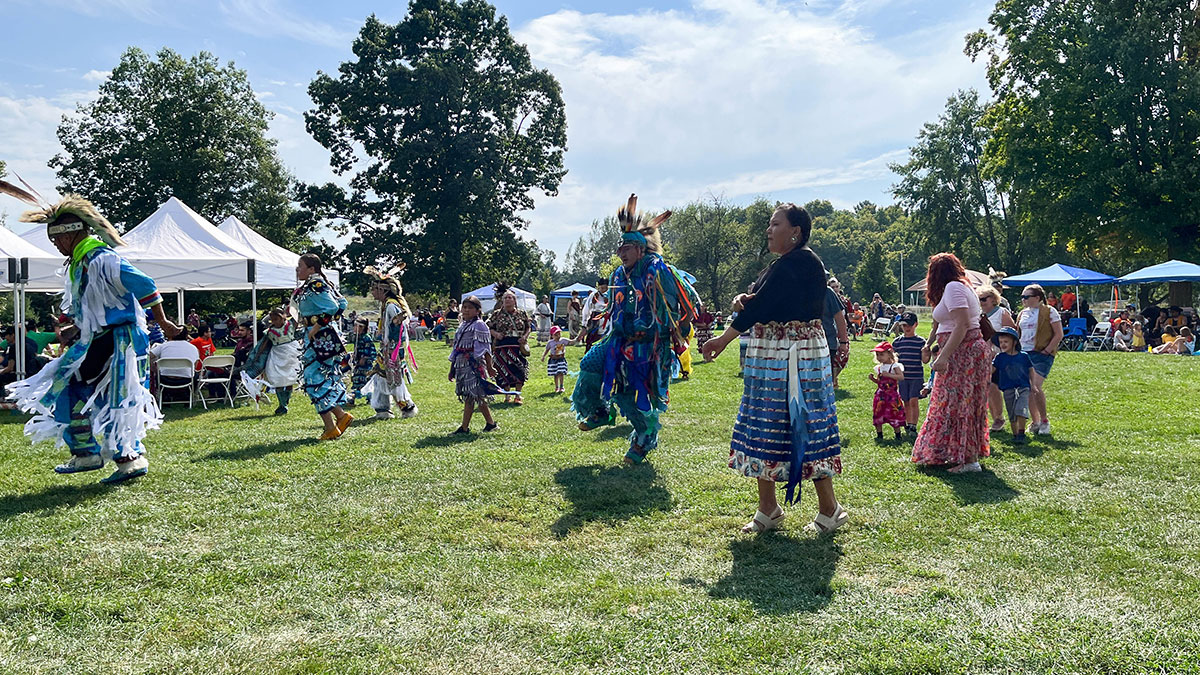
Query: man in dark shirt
(8, 374)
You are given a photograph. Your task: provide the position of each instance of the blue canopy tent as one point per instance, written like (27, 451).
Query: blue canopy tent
(565, 294)
(1060, 275)
(1170, 271)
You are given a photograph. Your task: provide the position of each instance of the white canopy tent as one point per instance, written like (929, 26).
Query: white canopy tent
(487, 297)
(266, 251)
(25, 267)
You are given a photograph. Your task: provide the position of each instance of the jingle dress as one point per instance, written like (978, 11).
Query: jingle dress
(325, 359)
(512, 365)
(786, 428)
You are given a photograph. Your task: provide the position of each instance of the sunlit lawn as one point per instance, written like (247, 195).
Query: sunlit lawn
(251, 547)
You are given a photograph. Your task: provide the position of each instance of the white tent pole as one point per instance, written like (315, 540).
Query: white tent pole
(254, 308)
(18, 333)
(179, 309)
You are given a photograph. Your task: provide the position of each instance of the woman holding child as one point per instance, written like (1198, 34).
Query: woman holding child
(955, 431)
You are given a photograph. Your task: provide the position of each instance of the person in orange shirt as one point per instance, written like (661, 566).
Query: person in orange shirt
(204, 344)
(1067, 301)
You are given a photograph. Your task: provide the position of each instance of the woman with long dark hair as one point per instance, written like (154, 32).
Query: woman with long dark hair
(786, 429)
(319, 306)
(955, 431)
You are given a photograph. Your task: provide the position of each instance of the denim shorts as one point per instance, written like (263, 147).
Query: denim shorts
(1016, 401)
(910, 389)
(1041, 363)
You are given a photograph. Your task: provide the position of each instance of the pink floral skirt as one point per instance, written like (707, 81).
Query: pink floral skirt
(956, 428)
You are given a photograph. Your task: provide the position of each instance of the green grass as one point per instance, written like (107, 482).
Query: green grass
(252, 548)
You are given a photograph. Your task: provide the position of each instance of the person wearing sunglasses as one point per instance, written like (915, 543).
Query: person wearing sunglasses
(1041, 331)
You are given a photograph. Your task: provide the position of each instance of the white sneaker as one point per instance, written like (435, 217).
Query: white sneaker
(79, 464)
(409, 413)
(384, 414)
(971, 467)
(1043, 429)
(127, 470)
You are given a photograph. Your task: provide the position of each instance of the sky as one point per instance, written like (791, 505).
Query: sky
(675, 100)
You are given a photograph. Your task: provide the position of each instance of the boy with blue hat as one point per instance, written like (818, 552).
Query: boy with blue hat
(1013, 370)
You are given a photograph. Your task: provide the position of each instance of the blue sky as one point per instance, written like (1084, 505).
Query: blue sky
(672, 99)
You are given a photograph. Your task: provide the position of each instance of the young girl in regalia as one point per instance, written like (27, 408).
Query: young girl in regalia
(390, 374)
(319, 307)
(274, 362)
(470, 364)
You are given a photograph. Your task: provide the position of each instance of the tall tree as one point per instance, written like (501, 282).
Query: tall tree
(711, 239)
(167, 126)
(446, 129)
(872, 275)
(1095, 117)
(956, 202)
(586, 256)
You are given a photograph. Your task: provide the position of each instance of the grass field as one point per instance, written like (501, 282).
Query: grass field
(251, 547)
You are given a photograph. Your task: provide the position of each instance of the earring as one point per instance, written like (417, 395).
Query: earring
(793, 240)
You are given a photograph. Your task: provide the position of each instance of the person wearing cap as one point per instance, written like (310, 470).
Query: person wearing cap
(999, 317)
(1012, 370)
(910, 350)
(651, 309)
(556, 349)
(1040, 327)
(887, 408)
(94, 398)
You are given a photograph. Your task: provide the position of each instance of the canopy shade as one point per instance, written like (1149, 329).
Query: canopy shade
(977, 279)
(1060, 275)
(277, 265)
(44, 268)
(1172, 270)
(487, 297)
(565, 294)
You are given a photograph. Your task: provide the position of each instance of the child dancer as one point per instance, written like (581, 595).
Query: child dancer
(888, 409)
(472, 352)
(275, 361)
(364, 358)
(557, 349)
(910, 349)
(1013, 370)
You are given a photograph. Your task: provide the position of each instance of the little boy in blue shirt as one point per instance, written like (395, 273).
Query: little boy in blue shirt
(1013, 369)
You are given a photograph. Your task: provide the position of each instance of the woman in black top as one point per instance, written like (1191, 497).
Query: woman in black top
(786, 428)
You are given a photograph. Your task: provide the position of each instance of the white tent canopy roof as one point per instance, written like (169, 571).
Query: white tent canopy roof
(487, 297)
(267, 251)
(44, 267)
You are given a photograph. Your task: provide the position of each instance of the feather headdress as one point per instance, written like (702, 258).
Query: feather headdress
(391, 282)
(635, 228)
(74, 214)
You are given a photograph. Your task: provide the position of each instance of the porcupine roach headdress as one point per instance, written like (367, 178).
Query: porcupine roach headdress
(499, 290)
(636, 230)
(74, 214)
(390, 281)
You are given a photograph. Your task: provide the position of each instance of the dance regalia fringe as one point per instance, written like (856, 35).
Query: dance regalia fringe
(390, 376)
(786, 428)
(106, 297)
(325, 359)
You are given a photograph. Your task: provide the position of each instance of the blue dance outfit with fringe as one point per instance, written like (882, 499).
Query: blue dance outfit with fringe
(325, 359)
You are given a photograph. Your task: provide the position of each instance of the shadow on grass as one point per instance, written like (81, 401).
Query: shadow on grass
(258, 450)
(614, 432)
(608, 494)
(51, 498)
(842, 394)
(447, 439)
(779, 574)
(984, 487)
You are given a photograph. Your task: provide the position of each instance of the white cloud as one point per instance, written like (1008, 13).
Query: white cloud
(737, 97)
(266, 18)
(97, 75)
(28, 138)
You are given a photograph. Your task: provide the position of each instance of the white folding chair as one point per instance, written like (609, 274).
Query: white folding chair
(208, 378)
(880, 329)
(1099, 339)
(176, 364)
